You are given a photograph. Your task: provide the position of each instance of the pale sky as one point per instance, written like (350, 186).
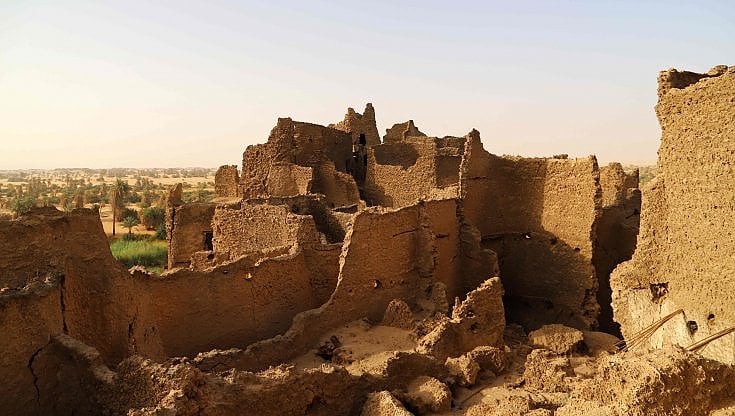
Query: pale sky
(191, 83)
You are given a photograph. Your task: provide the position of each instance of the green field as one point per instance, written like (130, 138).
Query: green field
(151, 254)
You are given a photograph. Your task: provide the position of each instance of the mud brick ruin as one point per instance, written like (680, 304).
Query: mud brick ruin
(338, 273)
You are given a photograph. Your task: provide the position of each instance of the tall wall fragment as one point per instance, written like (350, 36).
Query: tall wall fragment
(684, 258)
(227, 182)
(540, 216)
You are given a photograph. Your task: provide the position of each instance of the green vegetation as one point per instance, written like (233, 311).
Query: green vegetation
(149, 253)
(153, 217)
(130, 222)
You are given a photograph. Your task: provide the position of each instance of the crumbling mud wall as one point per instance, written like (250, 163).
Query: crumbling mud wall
(540, 216)
(190, 232)
(362, 127)
(234, 304)
(401, 131)
(408, 265)
(301, 158)
(75, 290)
(227, 182)
(617, 231)
(684, 258)
(85, 294)
(401, 172)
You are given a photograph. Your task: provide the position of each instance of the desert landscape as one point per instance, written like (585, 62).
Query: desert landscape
(341, 272)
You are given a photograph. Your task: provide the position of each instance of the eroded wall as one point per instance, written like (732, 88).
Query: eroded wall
(401, 172)
(227, 182)
(301, 158)
(362, 127)
(684, 258)
(190, 232)
(540, 216)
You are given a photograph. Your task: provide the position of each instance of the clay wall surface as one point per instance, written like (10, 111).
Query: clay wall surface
(232, 305)
(33, 317)
(421, 250)
(360, 126)
(253, 227)
(402, 131)
(29, 256)
(540, 217)
(339, 188)
(298, 156)
(617, 231)
(685, 251)
(190, 232)
(227, 182)
(287, 179)
(87, 295)
(81, 294)
(400, 173)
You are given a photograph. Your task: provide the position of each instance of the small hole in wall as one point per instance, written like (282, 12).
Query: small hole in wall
(377, 284)
(363, 140)
(711, 316)
(577, 249)
(553, 241)
(692, 326)
(474, 327)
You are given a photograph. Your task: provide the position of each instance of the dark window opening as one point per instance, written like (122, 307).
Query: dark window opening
(364, 160)
(208, 241)
(363, 140)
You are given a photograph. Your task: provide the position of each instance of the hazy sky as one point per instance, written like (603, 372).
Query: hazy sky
(192, 83)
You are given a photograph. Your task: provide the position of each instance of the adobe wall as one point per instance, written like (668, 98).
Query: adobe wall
(301, 158)
(232, 305)
(401, 131)
(227, 182)
(28, 320)
(30, 256)
(89, 296)
(287, 179)
(399, 173)
(540, 217)
(244, 228)
(685, 251)
(80, 293)
(362, 127)
(404, 254)
(617, 231)
(190, 232)
(339, 188)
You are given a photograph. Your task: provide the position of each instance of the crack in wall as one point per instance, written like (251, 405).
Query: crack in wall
(62, 290)
(33, 373)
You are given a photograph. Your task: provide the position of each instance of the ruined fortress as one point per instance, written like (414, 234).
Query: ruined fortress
(337, 272)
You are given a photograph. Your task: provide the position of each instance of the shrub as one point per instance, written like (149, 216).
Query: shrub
(153, 217)
(127, 212)
(140, 253)
(161, 231)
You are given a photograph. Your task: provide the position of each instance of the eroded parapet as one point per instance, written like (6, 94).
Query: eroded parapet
(401, 172)
(301, 158)
(227, 182)
(362, 127)
(684, 258)
(401, 131)
(540, 216)
(422, 249)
